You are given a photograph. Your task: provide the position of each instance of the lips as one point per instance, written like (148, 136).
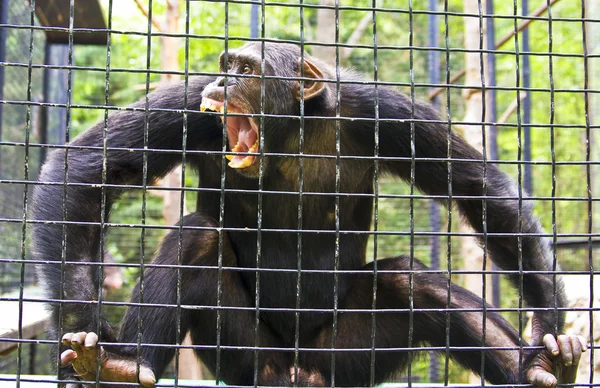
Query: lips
(242, 133)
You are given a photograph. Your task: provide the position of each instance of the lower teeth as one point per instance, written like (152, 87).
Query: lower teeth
(247, 161)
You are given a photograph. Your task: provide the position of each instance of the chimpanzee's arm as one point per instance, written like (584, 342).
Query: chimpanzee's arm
(505, 215)
(75, 195)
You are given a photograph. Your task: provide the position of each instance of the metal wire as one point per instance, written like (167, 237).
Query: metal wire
(517, 145)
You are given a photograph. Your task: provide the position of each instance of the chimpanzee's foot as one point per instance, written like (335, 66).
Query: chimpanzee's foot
(306, 378)
(276, 373)
(83, 355)
(567, 350)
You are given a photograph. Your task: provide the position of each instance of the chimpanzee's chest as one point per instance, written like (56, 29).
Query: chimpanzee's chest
(279, 227)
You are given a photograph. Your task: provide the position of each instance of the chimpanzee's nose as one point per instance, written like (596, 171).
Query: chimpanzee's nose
(221, 81)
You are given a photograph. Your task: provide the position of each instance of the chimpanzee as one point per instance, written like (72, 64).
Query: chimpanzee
(235, 275)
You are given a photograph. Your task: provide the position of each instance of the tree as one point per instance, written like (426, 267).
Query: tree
(471, 252)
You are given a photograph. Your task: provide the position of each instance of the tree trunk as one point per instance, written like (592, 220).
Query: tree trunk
(169, 61)
(471, 252)
(593, 48)
(578, 322)
(190, 368)
(325, 33)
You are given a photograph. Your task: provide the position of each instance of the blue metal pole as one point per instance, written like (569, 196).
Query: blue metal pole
(493, 116)
(3, 37)
(526, 103)
(254, 20)
(434, 209)
(44, 109)
(434, 79)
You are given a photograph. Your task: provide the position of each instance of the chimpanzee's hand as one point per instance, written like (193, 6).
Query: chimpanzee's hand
(557, 364)
(83, 355)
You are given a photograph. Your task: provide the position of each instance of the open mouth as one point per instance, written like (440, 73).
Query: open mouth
(242, 133)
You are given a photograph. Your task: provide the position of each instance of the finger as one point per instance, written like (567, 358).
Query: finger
(67, 357)
(583, 342)
(78, 337)
(66, 339)
(90, 340)
(577, 349)
(565, 349)
(147, 378)
(551, 344)
(127, 371)
(541, 378)
(293, 372)
(77, 340)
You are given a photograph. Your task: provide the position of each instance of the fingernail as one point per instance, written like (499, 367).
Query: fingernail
(147, 378)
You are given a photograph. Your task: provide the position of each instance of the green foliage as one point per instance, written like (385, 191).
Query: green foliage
(560, 100)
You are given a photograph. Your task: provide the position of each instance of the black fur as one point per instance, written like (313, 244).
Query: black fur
(279, 226)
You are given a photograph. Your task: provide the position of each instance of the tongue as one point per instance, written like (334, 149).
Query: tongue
(246, 135)
(246, 142)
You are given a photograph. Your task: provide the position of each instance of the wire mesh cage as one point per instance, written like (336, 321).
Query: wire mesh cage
(321, 193)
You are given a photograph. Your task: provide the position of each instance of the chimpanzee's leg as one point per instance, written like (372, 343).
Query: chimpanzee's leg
(199, 243)
(430, 303)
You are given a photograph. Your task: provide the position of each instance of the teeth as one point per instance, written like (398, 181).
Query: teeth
(254, 147)
(235, 149)
(210, 106)
(247, 161)
(234, 164)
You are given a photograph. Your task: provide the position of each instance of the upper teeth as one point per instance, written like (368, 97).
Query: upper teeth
(210, 106)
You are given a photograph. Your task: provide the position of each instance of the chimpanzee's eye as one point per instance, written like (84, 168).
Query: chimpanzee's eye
(247, 69)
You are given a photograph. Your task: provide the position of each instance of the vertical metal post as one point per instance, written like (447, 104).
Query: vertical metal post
(43, 122)
(434, 210)
(254, 20)
(32, 356)
(528, 178)
(593, 66)
(492, 110)
(3, 20)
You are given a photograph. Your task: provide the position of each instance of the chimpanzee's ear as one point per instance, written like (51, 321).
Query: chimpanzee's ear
(313, 87)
